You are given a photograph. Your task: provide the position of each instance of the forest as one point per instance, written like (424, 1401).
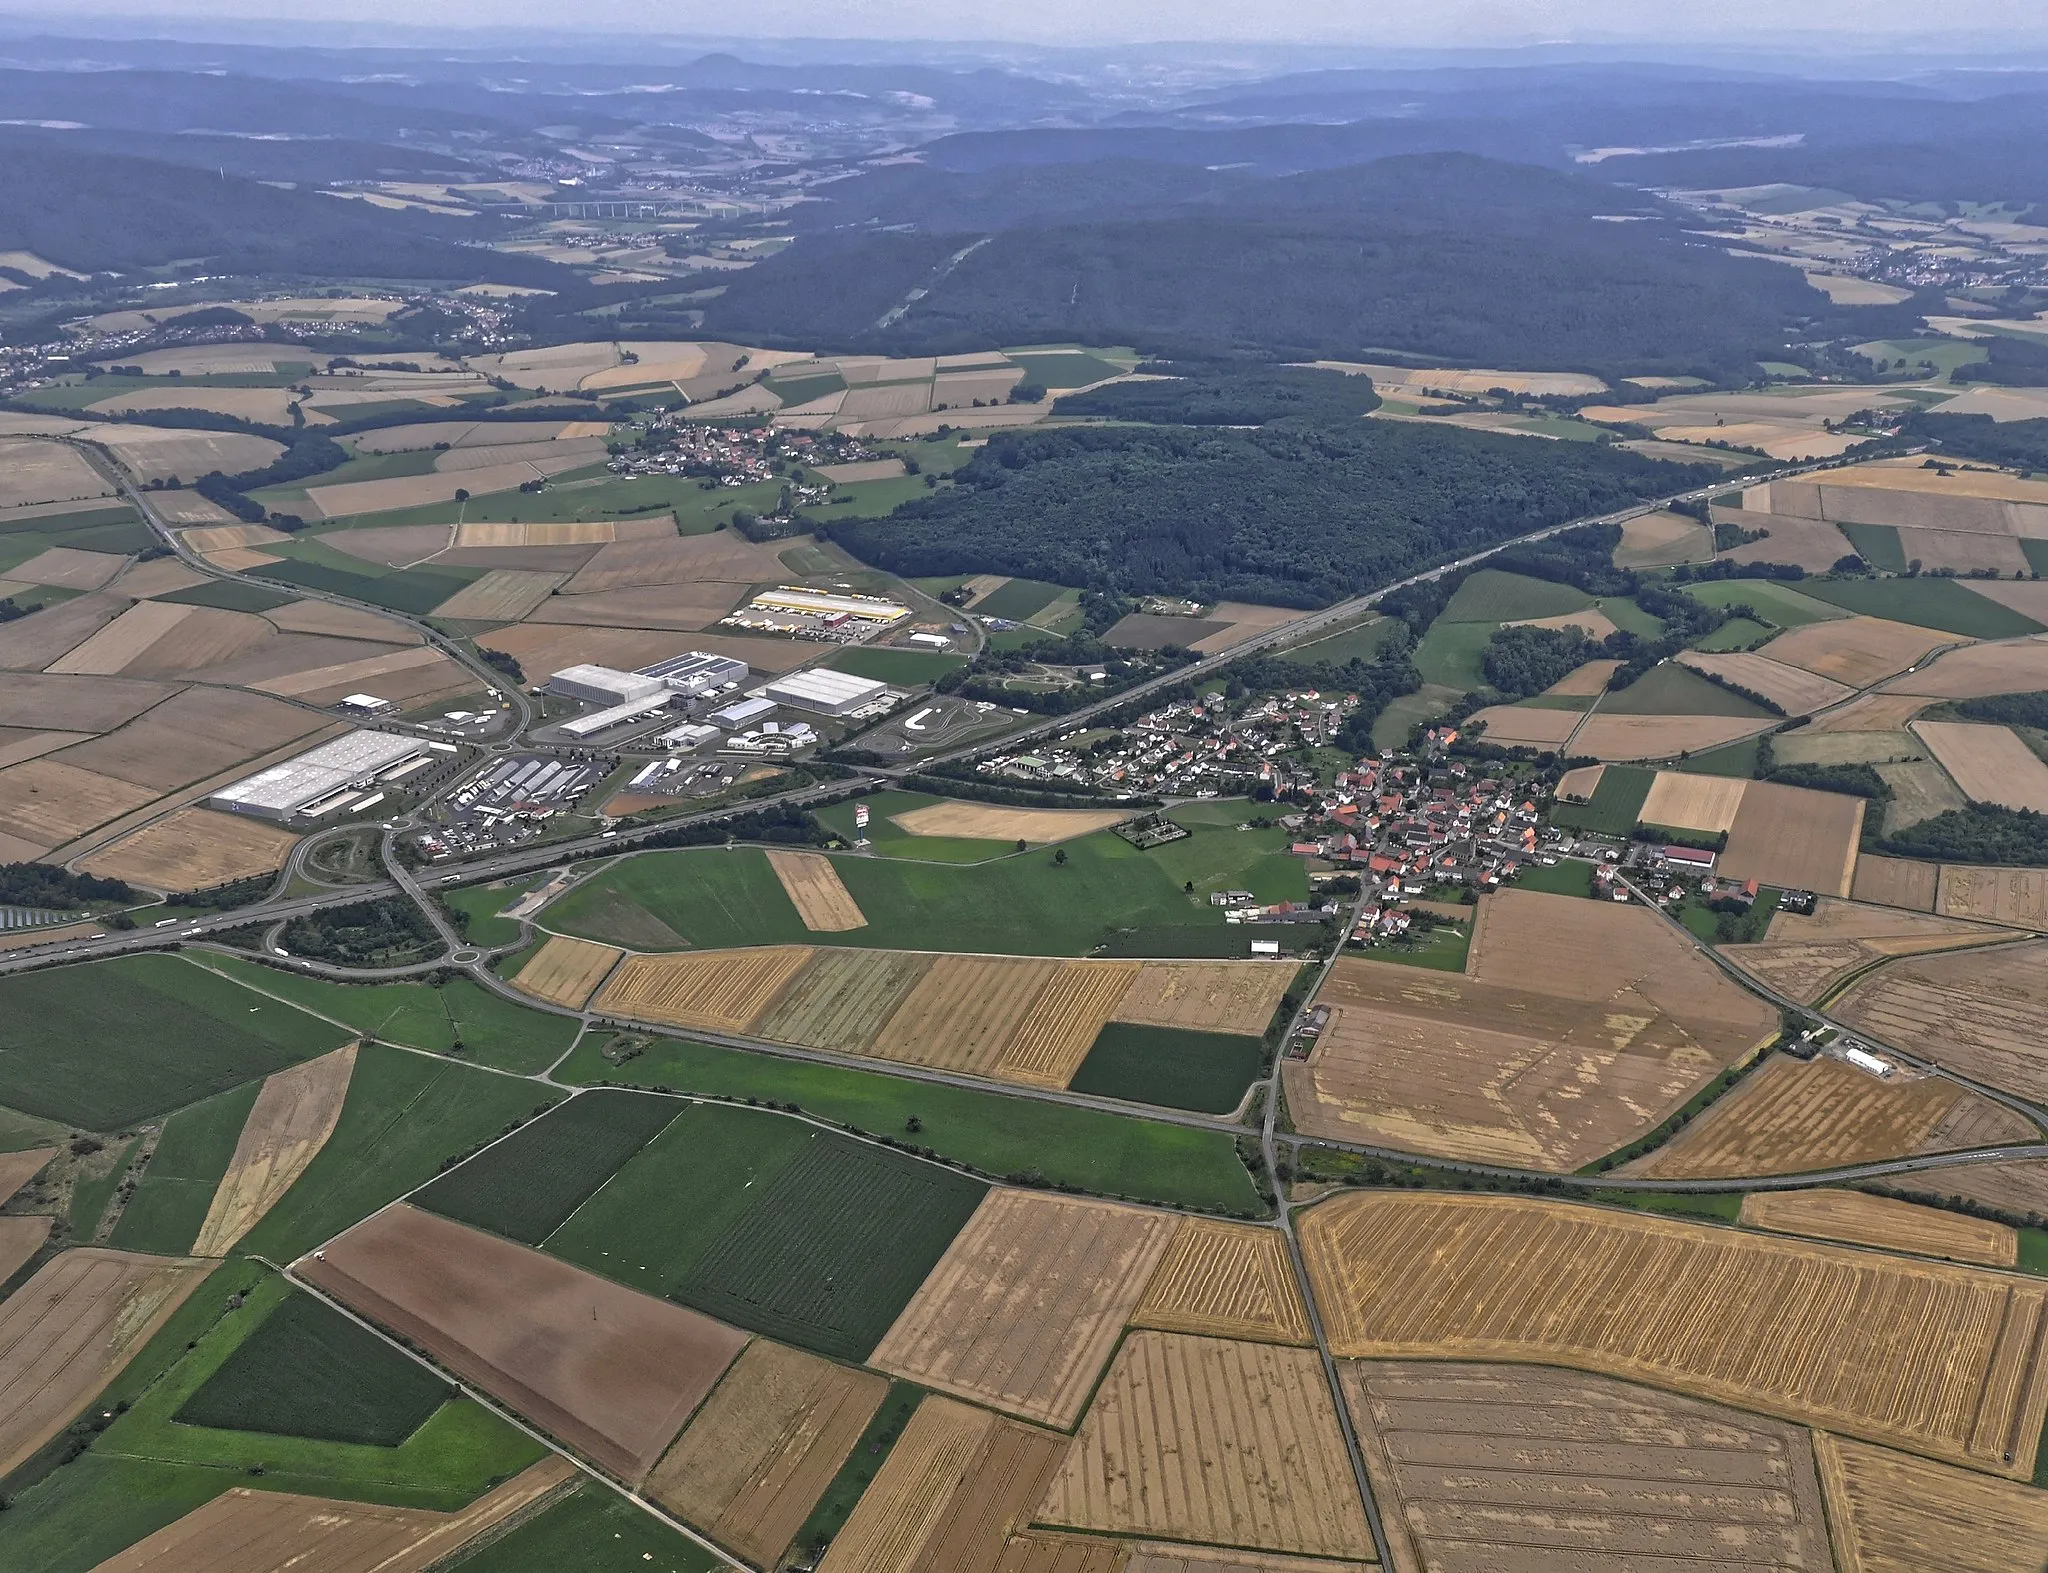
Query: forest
(2022, 444)
(1229, 395)
(1979, 833)
(1291, 515)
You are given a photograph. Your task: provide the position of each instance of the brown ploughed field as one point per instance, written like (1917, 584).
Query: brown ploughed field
(1202, 1439)
(1022, 1311)
(1981, 1012)
(611, 1372)
(1225, 1280)
(566, 971)
(1897, 1514)
(1943, 1359)
(719, 991)
(287, 1126)
(753, 1463)
(1494, 1469)
(1791, 1116)
(1860, 1219)
(814, 888)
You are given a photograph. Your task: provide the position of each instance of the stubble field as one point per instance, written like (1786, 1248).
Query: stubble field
(1794, 691)
(287, 1126)
(1897, 1514)
(1860, 1219)
(1896, 882)
(567, 971)
(842, 999)
(1687, 802)
(1795, 838)
(1225, 1280)
(1803, 956)
(193, 849)
(992, 822)
(2015, 896)
(813, 886)
(718, 991)
(1855, 651)
(1217, 996)
(1990, 763)
(1982, 1012)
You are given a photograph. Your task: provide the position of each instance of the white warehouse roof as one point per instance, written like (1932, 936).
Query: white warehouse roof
(284, 789)
(820, 688)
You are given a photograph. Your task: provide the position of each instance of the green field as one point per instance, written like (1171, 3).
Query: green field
(308, 1371)
(1738, 633)
(774, 1225)
(1022, 904)
(416, 591)
(1439, 949)
(1059, 370)
(1360, 642)
(1671, 689)
(1018, 599)
(1108, 1154)
(1930, 356)
(406, 1115)
(1492, 596)
(1631, 618)
(1565, 877)
(1774, 602)
(526, 1186)
(165, 1213)
(1401, 716)
(491, 1029)
(1203, 1071)
(232, 595)
(1731, 759)
(1947, 605)
(591, 1530)
(70, 1048)
(482, 904)
(904, 668)
(2036, 553)
(1878, 545)
(1449, 654)
(19, 1132)
(98, 1506)
(887, 840)
(1614, 806)
(597, 495)
(89, 1197)
(869, 1453)
(117, 529)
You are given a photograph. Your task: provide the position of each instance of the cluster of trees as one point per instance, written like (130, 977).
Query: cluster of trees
(1229, 395)
(1979, 833)
(2022, 444)
(1854, 780)
(2008, 709)
(1522, 661)
(309, 455)
(46, 885)
(363, 933)
(2015, 363)
(1291, 515)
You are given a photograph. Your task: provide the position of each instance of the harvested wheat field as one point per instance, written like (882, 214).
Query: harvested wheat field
(1990, 763)
(1494, 1469)
(1592, 622)
(123, 640)
(503, 595)
(2014, 896)
(1792, 690)
(1939, 1358)
(1577, 785)
(1044, 1551)
(964, 1009)
(2014, 666)
(1981, 1012)
(1965, 551)
(1577, 1026)
(1225, 1280)
(154, 453)
(1657, 540)
(1158, 1557)
(1207, 1440)
(249, 1531)
(194, 849)
(1207, 996)
(1793, 1116)
(1860, 1219)
(842, 999)
(567, 971)
(66, 1331)
(723, 557)
(287, 1126)
(1897, 882)
(47, 803)
(2019, 1188)
(339, 622)
(43, 472)
(18, 1168)
(1897, 1514)
(67, 568)
(1520, 726)
(1688, 802)
(1582, 683)
(813, 886)
(1617, 738)
(596, 532)
(756, 1458)
(1812, 544)
(1856, 651)
(612, 1373)
(28, 644)
(21, 1236)
(719, 991)
(989, 822)
(1054, 1037)
(957, 1484)
(1795, 838)
(1802, 956)
(1023, 1310)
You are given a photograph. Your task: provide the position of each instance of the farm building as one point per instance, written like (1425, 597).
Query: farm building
(601, 685)
(1690, 860)
(826, 692)
(322, 779)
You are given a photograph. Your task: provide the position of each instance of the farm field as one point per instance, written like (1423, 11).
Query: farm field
(1576, 1026)
(1990, 763)
(756, 1458)
(1023, 1311)
(1983, 1013)
(1939, 1358)
(1888, 1225)
(1687, 802)
(1794, 691)
(1225, 1280)
(1791, 1116)
(66, 1051)
(1855, 651)
(2016, 896)
(1614, 800)
(1803, 957)
(1468, 1463)
(1658, 540)
(1898, 1514)
(1145, 1160)
(1202, 1439)
(811, 881)
(1947, 606)
(993, 822)
(193, 849)
(1896, 882)
(799, 1233)
(1673, 690)
(719, 991)
(1207, 1072)
(1775, 603)
(593, 1530)
(171, 1201)
(611, 1372)
(1795, 838)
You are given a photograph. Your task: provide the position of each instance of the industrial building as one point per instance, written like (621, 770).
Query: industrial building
(825, 603)
(602, 685)
(743, 714)
(825, 692)
(326, 779)
(694, 674)
(613, 715)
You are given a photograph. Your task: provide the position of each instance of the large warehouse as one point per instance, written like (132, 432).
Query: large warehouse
(603, 685)
(319, 780)
(824, 691)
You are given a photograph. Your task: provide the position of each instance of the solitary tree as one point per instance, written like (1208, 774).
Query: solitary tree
(1060, 857)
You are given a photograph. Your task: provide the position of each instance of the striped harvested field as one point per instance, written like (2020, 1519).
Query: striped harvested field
(1981, 1012)
(1942, 1359)
(841, 999)
(2009, 667)
(813, 886)
(963, 1010)
(1053, 1039)
(1689, 802)
(1022, 1312)
(504, 595)
(1156, 1557)
(1897, 1514)
(957, 1484)
(1044, 1551)
(2018, 896)
(597, 532)
(1860, 1219)
(1582, 683)
(719, 991)
(1802, 957)
(1524, 1470)
(566, 971)
(1225, 1280)
(1791, 1116)
(194, 849)
(286, 1127)
(1207, 996)
(1202, 1439)
(766, 1444)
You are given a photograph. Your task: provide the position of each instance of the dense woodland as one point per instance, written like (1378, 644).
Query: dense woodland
(1289, 515)
(1980, 833)
(1228, 395)
(46, 885)
(2023, 444)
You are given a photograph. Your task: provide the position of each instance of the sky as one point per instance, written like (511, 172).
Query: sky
(1851, 25)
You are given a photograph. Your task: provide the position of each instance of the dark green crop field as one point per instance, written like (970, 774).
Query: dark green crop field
(1946, 605)
(1614, 805)
(591, 1530)
(1203, 1071)
(169, 1205)
(308, 1371)
(527, 1185)
(109, 1044)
